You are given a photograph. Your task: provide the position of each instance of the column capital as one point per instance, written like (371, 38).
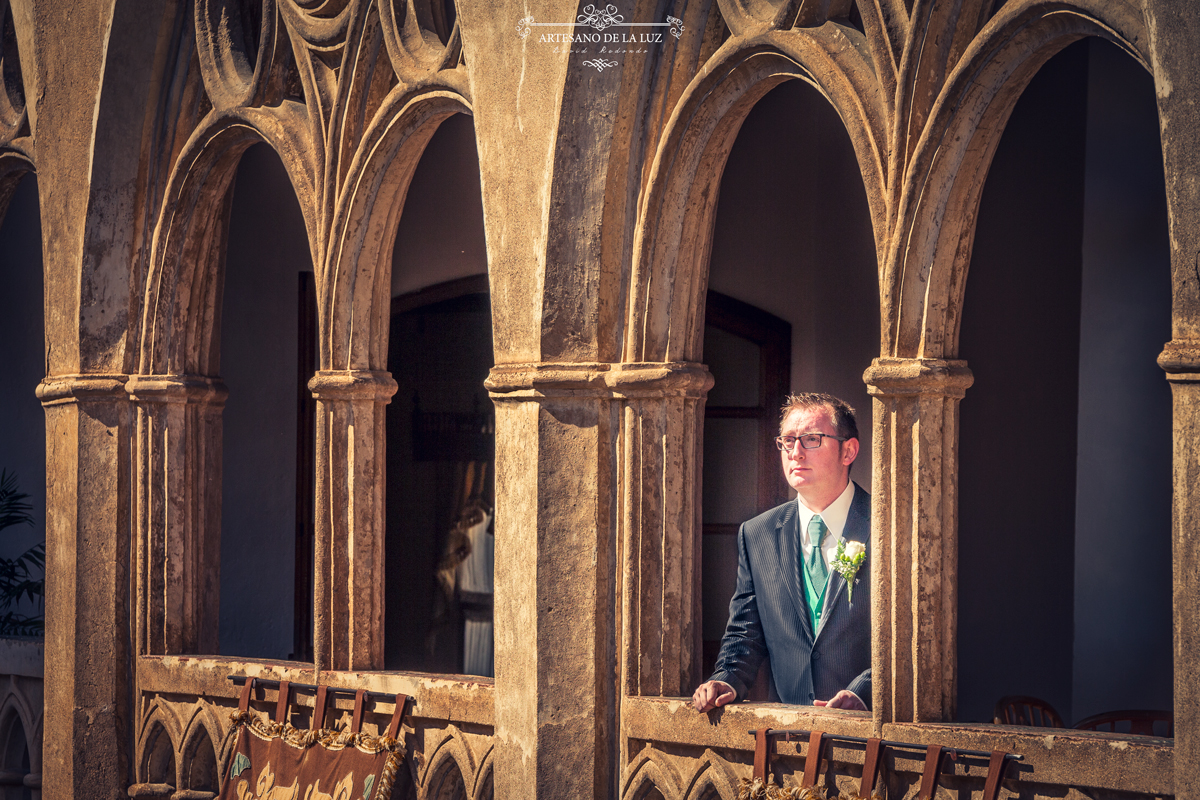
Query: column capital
(55, 390)
(179, 389)
(893, 377)
(353, 384)
(518, 382)
(1180, 359)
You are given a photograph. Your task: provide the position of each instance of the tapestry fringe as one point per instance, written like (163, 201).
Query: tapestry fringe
(756, 789)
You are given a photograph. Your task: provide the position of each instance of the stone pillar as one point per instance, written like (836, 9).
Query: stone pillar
(556, 555)
(661, 472)
(350, 522)
(178, 512)
(89, 711)
(567, 436)
(1181, 360)
(914, 535)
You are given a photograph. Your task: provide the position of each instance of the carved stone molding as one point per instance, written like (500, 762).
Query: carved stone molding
(352, 384)
(517, 382)
(1180, 359)
(894, 377)
(184, 389)
(57, 390)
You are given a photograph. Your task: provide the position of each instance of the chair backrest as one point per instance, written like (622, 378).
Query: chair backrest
(1135, 723)
(1017, 709)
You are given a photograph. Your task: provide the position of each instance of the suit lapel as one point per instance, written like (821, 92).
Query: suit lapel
(858, 529)
(787, 545)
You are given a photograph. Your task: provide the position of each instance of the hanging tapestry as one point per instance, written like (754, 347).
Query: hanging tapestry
(276, 761)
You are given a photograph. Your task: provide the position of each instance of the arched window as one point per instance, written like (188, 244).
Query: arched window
(792, 307)
(266, 327)
(440, 423)
(1065, 443)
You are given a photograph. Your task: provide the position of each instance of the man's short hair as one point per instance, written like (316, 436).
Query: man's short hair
(840, 412)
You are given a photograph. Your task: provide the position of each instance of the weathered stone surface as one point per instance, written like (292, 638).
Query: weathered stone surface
(600, 185)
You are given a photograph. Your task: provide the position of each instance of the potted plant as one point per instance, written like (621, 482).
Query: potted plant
(25, 575)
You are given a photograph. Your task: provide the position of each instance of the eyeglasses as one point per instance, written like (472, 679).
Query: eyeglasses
(809, 441)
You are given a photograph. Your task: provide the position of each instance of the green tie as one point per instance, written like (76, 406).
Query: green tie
(818, 572)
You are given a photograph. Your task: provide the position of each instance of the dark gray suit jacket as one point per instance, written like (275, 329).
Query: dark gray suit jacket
(768, 615)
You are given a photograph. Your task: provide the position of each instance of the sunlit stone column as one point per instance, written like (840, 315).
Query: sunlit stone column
(914, 530)
(178, 512)
(350, 523)
(660, 477)
(1181, 360)
(556, 551)
(597, 471)
(88, 677)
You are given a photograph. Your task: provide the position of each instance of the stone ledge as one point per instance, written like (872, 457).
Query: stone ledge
(22, 657)
(458, 699)
(1062, 757)
(648, 379)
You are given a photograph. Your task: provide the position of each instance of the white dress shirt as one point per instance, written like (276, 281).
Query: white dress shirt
(834, 516)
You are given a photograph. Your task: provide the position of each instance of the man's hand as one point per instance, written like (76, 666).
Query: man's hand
(844, 699)
(713, 694)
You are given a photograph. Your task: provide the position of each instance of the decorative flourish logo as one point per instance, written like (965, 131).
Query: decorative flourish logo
(600, 20)
(599, 63)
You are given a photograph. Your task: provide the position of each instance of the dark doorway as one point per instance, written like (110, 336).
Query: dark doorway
(440, 495)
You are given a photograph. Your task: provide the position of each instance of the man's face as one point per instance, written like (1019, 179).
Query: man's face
(818, 474)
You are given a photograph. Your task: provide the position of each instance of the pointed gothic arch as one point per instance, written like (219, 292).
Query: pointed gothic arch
(925, 269)
(676, 217)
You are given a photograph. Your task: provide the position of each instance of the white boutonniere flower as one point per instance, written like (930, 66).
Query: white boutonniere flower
(847, 561)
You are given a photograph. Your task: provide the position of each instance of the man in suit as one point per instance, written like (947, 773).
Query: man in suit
(790, 605)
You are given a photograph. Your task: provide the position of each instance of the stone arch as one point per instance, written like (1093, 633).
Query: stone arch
(675, 226)
(450, 772)
(713, 779)
(356, 279)
(925, 270)
(14, 116)
(182, 295)
(15, 164)
(179, 394)
(650, 773)
(199, 763)
(483, 788)
(156, 761)
(20, 742)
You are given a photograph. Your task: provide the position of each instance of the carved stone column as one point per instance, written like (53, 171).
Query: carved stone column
(1181, 360)
(178, 508)
(660, 478)
(556, 556)
(89, 707)
(914, 535)
(350, 523)
(568, 436)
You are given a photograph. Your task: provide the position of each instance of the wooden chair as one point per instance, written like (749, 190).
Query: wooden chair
(1016, 709)
(1135, 723)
